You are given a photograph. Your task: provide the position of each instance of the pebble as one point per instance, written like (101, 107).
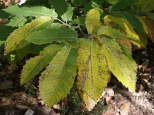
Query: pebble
(29, 112)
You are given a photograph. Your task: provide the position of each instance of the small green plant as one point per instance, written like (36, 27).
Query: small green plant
(63, 58)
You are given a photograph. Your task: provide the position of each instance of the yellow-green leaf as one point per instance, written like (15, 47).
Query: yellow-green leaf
(54, 32)
(92, 21)
(16, 40)
(121, 65)
(58, 78)
(115, 33)
(93, 74)
(122, 38)
(126, 46)
(127, 27)
(36, 64)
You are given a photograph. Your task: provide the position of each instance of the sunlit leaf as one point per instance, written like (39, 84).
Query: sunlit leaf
(54, 32)
(17, 21)
(67, 16)
(35, 11)
(127, 27)
(16, 40)
(36, 64)
(121, 65)
(92, 21)
(93, 73)
(58, 78)
(115, 33)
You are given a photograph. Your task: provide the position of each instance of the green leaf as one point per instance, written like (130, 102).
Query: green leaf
(93, 4)
(16, 40)
(150, 15)
(59, 5)
(93, 73)
(126, 46)
(97, 3)
(28, 49)
(87, 6)
(3, 14)
(93, 21)
(79, 20)
(56, 32)
(58, 78)
(115, 33)
(144, 5)
(5, 31)
(67, 16)
(1, 43)
(35, 11)
(36, 64)
(17, 21)
(132, 19)
(122, 66)
(78, 2)
(112, 1)
(122, 4)
(125, 25)
(137, 25)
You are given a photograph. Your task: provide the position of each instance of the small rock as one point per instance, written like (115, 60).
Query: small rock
(109, 92)
(29, 112)
(56, 106)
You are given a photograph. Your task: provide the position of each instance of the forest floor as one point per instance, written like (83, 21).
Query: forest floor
(24, 100)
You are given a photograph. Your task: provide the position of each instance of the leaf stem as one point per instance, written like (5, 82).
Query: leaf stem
(62, 22)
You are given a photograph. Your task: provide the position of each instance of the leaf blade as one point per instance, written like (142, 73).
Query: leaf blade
(36, 64)
(17, 21)
(93, 74)
(1, 43)
(35, 11)
(127, 27)
(16, 40)
(144, 5)
(121, 65)
(115, 33)
(56, 32)
(67, 16)
(92, 20)
(60, 74)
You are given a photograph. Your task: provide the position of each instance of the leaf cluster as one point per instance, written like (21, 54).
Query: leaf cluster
(78, 43)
